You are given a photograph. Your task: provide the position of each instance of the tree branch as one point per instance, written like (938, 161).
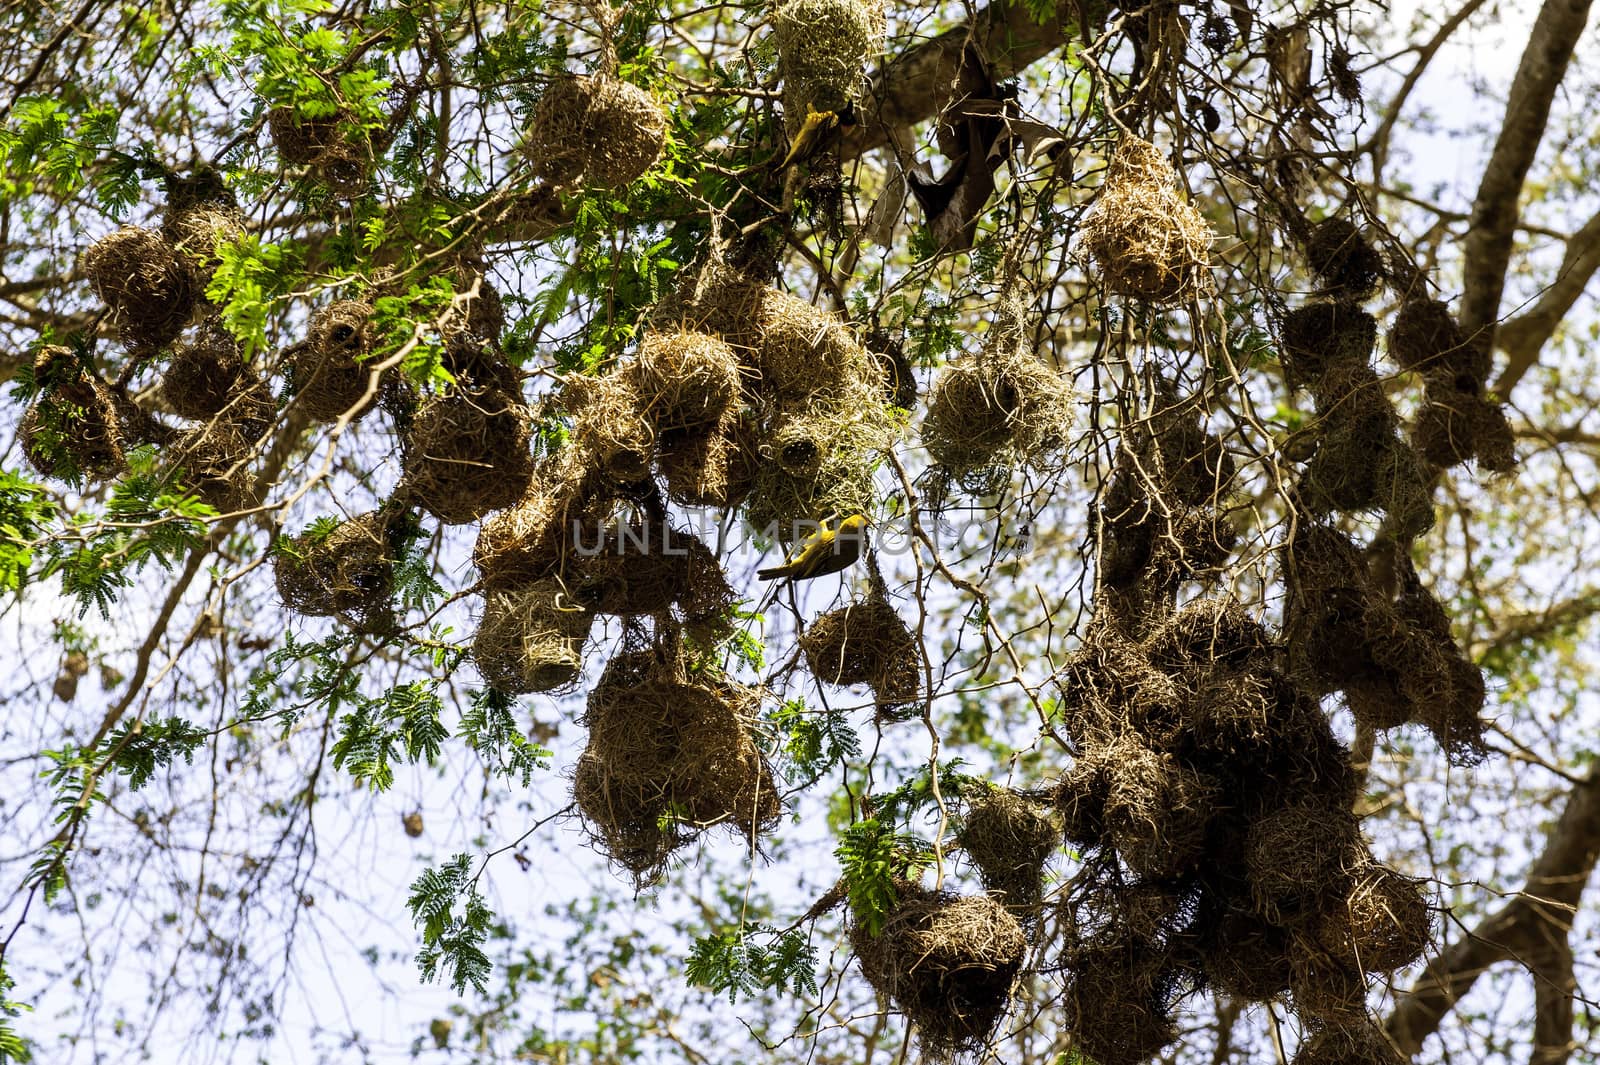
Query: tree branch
(1532, 929)
(1487, 248)
(1525, 335)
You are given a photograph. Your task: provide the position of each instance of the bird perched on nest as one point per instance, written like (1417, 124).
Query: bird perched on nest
(818, 132)
(828, 550)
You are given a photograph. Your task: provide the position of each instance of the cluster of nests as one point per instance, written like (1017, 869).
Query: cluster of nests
(1001, 406)
(1214, 807)
(1361, 461)
(741, 394)
(1389, 650)
(335, 148)
(1149, 241)
(671, 753)
(868, 642)
(824, 47)
(595, 130)
(153, 284)
(1159, 520)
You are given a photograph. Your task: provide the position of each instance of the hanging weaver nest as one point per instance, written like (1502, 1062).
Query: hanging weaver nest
(605, 417)
(479, 364)
(805, 353)
(1297, 856)
(485, 313)
(1323, 338)
(720, 300)
(1358, 1043)
(1246, 956)
(301, 141)
(687, 382)
(530, 539)
(1148, 239)
(467, 454)
(1344, 260)
(212, 461)
(668, 758)
(1109, 688)
(1157, 810)
(988, 410)
(605, 131)
(328, 371)
(531, 639)
(1009, 839)
(639, 568)
(345, 167)
(78, 428)
(715, 468)
(948, 963)
(866, 643)
(1424, 337)
(1214, 631)
(785, 505)
(1458, 423)
(1080, 798)
(146, 284)
(1383, 924)
(346, 571)
(204, 373)
(1172, 449)
(823, 50)
(196, 232)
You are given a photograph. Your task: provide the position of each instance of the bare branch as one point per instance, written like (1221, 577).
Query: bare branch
(1524, 336)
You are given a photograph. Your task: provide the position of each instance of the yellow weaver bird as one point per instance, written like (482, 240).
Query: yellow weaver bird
(815, 133)
(828, 550)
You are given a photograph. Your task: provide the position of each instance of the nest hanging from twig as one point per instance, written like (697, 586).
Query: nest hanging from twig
(1009, 839)
(346, 572)
(213, 462)
(686, 382)
(1344, 260)
(598, 129)
(468, 453)
(1147, 238)
(606, 418)
(824, 49)
(196, 232)
(716, 468)
(947, 962)
(147, 285)
(329, 371)
(205, 373)
(866, 643)
(79, 428)
(531, 639)
(530, 539)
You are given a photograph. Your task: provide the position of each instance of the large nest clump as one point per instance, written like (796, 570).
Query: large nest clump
(468, 453)
(1148, 239)
(1009, 839)
(1327, 337)
(1217, 631)
(598, 129)
(686, 381)
(716, 468)
(669, 757)
(328, 370)
(824, 47)
(79, 428)
(1344, 260)
(147, 285)
(1395, 659)
(198, 231)
(344, 570)
(948, 963)
(866, 643)
(531, 639)
(1109, 688)
(205, 373)
(1000, 406)
(606, 418)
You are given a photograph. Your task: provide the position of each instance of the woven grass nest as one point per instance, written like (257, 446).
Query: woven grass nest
(1424, 337)
(990, 409)
(835, 478)
(806, 354)
(1459, 424)
(300, 141)
(714, 468)
(79, 428)
(531, 639)
(947, 962)
(213, 462)
(328, 371)
(468, 453)
(1009, 839)
(1323, 338)
(1157, 809)
(598, 129)
(687, 382)
(1359, 1042)
(1147, 238)
(606, 417)
(824, 47)
(147, 285)
(345, 572)
(205, 373)
(866, 643)
(532, 538)
(669, 757)
(195, 234)
(635, 569)
(339, 155)
(1344, 260)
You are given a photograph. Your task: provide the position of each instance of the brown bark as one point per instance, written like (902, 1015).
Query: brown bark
(1525, 335)
(1487, 247)
(1532, 929)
